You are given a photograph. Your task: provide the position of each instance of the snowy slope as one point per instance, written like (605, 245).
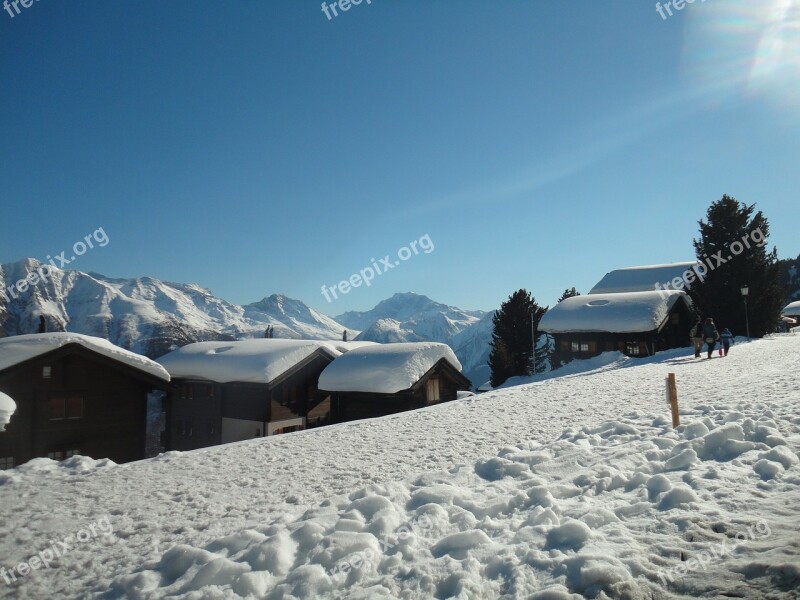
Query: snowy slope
(147, 315)
(572, 487)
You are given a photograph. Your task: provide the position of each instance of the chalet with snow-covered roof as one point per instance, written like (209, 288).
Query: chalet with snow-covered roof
(75, 394)
(232, 391)
(792, 312)
(634, 310)
(635, 323)
(672, 276)
(384, 379)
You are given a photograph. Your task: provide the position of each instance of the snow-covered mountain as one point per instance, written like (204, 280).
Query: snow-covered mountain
(147, 315)
(472, 349)
(412, 317)
(152, 317)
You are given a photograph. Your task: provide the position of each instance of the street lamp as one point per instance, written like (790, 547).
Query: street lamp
(745, 292)
(533, 342)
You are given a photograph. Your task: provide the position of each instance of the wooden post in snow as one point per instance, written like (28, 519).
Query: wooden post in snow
(672, 398)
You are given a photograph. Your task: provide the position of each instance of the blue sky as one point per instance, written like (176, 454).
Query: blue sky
(257, 147)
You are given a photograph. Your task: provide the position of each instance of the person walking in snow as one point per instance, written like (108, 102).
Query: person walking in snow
(696, 335)
(710, 335)
(726, 337)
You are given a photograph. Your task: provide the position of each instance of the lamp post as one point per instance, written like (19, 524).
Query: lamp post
(745, 292)
(533, 342)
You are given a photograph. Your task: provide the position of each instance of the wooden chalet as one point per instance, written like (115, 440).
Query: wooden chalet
(384, 379)
(75, 394)
(637, 324)
(791, 314)
(226, 392)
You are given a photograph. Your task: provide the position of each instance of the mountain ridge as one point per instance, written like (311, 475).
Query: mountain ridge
(152, 316)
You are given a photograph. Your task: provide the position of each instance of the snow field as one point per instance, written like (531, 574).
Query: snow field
(572, 487)
(603, 510)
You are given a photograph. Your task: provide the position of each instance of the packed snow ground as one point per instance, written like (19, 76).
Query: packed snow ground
(574, 486)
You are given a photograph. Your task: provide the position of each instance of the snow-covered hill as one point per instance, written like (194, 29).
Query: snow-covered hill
(147, 315)
(572, 487)
(412, 317)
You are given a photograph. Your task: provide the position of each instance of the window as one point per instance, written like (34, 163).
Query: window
(581, 346)
(432, 390)
(75, 407)
(675, 319)
(633, 349)
(47, 372)
(564, 345)
(60, 408)
(6, 462)
(62, 454)
(57, 409)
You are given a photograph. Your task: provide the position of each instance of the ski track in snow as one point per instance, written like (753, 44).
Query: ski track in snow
(575, 485)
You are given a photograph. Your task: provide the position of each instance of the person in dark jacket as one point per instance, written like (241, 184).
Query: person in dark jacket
(726, 337)
(710, 335)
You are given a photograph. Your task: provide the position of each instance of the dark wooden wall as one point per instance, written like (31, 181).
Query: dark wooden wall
(113, 424)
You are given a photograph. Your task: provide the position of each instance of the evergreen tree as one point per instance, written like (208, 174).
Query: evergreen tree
(512, 344)
(568, 293)
(732, 248)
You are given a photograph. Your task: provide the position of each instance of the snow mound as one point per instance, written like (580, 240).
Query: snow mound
(384, 369)
(247, 361)
(19, 348)
(630, 312)
(7, 408)
(42, 470)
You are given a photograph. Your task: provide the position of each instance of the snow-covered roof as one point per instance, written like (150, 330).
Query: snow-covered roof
(792, 309)
(384, 368)
(260, 360)
(631, 312)
(640, 279)
(7, 408)
(19, 348)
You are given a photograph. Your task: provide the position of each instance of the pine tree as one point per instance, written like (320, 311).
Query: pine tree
(568, 293)
(732, 248)
(511, 344)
